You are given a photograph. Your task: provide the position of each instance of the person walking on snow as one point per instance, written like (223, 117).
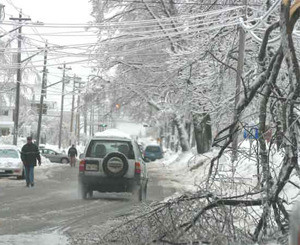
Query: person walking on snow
(72, 153)
(29, 154)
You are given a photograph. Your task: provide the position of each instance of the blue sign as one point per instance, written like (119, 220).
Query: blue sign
(251, 132)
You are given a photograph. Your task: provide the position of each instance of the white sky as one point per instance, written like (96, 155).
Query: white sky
(67, 11)
(54, 11)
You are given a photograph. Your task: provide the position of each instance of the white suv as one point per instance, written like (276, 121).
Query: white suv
(112, 162)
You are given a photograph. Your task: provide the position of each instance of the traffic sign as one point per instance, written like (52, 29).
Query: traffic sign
(251, 132)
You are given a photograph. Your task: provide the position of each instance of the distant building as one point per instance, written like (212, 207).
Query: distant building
(6, 120)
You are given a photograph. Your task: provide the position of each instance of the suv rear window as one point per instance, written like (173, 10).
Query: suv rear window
(153, 149)
(100, 148)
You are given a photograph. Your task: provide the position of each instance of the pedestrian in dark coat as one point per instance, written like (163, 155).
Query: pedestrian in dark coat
(29, 154)
(72, 153)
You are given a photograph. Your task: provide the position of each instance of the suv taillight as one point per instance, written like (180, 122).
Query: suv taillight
(82, 166)
(137, 167)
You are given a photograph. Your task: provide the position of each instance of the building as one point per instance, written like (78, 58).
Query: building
(6, 120)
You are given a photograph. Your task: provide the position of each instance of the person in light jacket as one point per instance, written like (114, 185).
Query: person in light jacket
(29, 154)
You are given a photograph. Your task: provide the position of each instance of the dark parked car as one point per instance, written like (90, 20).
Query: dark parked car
(153, 152)
(54, 156)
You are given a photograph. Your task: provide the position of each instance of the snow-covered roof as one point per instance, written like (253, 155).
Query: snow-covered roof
(113, 132)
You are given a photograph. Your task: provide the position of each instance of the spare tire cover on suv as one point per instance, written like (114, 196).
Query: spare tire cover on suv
(115, 164)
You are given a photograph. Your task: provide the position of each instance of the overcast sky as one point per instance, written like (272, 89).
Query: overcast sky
(67, 11)
(53, 11)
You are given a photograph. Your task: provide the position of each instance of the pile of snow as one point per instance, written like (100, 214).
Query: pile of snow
(113, 132)
(53, 238)
(188, 171)
(47, 164)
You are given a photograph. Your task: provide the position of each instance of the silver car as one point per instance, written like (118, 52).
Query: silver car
(10, 161)
(54, 156)
(113, 164)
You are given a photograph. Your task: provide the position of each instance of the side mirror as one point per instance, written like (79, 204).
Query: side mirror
(81, 156)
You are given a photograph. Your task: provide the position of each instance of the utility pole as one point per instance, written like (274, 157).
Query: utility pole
(85, 112)
(72, 110)
(78, 113)
(62, 103)
(92, 120)
(42, 96)
(240, 67)
(19, 79)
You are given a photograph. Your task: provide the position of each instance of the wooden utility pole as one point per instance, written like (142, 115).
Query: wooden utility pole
(72, 110)
(42, 96)
(78, 114)
(92, 119)
(240, 67)
(75, 81)
(19, 79)
(62, 103)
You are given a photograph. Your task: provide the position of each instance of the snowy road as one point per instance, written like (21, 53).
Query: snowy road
(53, 204)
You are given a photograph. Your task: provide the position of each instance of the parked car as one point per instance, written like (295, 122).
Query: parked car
(112, 163)
(153, 152)
(10, 161)
(54, 156)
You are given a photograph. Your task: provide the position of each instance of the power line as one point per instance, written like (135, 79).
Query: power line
(182, 3)
(130, 23)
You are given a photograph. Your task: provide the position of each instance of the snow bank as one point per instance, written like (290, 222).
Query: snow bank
(53, 238)
(189, 170)
(47, 164)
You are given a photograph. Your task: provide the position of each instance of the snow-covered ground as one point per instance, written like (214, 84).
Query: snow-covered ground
(184, 172)
(37, 238)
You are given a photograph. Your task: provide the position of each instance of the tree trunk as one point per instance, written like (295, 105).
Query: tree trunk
(203, 132)
(172, 145)
(182, 134)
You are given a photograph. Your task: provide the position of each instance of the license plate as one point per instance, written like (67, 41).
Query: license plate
(2, 171)
(91, 167)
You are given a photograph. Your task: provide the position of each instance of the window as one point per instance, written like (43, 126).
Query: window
(100, 148)
(153, 149)
(4, 131)
(8, 153)
(4, 112)
(51, 152)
